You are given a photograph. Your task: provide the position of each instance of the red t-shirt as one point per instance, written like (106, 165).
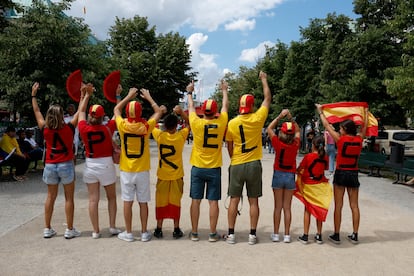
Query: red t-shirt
(349, 149)
(97, 138)
(313, 168)
(59, 143)
(285, 155)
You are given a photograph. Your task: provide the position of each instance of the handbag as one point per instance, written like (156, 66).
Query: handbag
(116, 149)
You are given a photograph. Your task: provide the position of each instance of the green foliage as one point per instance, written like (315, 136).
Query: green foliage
(158, 63)
(45, 46)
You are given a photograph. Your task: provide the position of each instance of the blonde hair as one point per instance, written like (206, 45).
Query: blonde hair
(54, 117)
(95, 120)
(286, 138)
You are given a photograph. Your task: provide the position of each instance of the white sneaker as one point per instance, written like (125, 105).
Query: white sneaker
(48, 233)
(96, 235)
(286, 239)
(146, 236)
(72, 233)
(125, 236)
(252, 239)
(274, 237)
(231, 239)
(114, 231)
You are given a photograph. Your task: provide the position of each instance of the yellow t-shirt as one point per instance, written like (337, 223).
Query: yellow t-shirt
(208, 140)
(8, 144)
(245, 131)
(135, 154)
(170, 153)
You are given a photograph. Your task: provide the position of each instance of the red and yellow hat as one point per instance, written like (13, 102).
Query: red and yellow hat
(133, 111)
(96, 111)
(209, 107)
(246, 103)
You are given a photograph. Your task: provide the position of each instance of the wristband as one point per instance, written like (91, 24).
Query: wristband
(33, 96)
(189, 93)
(118, 97)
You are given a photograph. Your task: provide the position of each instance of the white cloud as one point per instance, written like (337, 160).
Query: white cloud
(241, 24)
(254, 54)
(205, 64)
(170, 15)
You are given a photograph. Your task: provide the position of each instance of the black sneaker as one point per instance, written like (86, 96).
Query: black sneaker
(178, 234)
(303, 239)
(318, 239)
(158, 233)
(335, 238)
(353, 238)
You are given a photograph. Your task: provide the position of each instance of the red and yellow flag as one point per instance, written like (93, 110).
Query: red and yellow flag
(341, 111)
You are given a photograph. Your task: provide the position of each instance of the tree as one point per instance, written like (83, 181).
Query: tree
(45, 45)
(159, 63)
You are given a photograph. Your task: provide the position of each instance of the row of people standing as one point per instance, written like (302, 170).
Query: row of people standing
(243, 145)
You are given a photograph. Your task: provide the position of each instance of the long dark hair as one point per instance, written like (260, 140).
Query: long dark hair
(350, 127)
(319, 144)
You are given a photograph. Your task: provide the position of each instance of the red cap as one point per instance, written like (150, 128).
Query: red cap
(246, 103)
(288, 128)
(96, 111)
(209, 107)
(133, 110)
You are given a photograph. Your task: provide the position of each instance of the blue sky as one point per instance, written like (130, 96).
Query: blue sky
(222, 34)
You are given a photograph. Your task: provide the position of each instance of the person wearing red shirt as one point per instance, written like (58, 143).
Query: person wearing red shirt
(349, 145)
(286, 146)
(99, 166)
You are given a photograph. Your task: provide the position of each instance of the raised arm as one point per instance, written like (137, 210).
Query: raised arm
(117, 96)
(190, 90)
(266, 90)
(133, 92)
(224, 89)
(179, 111)
(38, 115)
(145, 94)
(85, 89)
(326, 124)
(275, 122)
(85, 96)
(364, 127)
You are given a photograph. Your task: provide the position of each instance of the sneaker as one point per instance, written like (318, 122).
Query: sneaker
(335, 238)
(318, 239)
(158, 233)
(146, 236)
(213, 237)
(114, 231)
(48, 233)
(231, 238)
(96, 235)
(286, 239)
(178, 234)
(274, 237)
(72, 233)
(252, 239)
(353, 238)
(194, 236)
(303, 239)
(126, 236)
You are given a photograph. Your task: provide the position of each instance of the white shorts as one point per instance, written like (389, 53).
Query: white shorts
(100, 170)
(135, 184)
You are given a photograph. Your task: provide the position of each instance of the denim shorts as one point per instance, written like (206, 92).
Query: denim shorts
(208, 179)
(283, 180)
(59, 173)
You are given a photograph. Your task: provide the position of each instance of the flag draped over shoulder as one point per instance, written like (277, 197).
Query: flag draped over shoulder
(315, 197)
(341, 111)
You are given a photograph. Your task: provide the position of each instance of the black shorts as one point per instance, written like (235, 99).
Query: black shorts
(346, 178)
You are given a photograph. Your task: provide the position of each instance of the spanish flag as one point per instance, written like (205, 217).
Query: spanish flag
(316, 197)
(341, 111)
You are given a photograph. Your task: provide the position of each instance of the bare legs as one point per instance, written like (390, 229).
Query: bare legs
(282, 200)
(353, 193)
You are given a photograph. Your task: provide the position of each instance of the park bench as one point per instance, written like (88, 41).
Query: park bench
(372, 160)
(407, 169)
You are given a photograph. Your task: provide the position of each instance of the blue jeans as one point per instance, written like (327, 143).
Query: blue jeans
(331, 151)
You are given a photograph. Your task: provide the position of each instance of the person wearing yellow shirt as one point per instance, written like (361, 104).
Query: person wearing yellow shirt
(170, 172)
(206, 158)
(244, 144)
(8, 144)
(134, 164)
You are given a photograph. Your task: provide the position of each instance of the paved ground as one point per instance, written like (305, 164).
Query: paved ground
(386, 236)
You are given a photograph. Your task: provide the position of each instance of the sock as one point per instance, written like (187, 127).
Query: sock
(253, 232)
(231, 231)
(176, 229)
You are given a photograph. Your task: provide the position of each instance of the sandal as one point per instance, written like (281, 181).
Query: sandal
(17, 178)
